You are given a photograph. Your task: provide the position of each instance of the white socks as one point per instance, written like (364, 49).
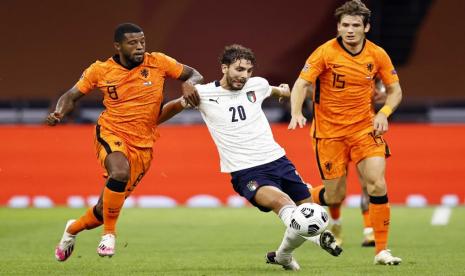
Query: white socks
(285, 214)
(291, 240)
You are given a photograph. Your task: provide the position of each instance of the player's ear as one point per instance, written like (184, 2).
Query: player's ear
(367, 28)
(117, 46)
(224, 68)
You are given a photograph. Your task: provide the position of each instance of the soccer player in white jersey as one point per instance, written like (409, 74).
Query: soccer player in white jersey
(259, 169)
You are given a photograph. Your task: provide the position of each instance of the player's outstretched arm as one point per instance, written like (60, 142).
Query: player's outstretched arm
(393, 99)
(191, 77)
(64, 106)
(281, 92)
(298, 95)
(171, 108)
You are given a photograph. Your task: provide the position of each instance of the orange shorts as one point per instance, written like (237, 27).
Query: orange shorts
(334, 154)
(139, 159)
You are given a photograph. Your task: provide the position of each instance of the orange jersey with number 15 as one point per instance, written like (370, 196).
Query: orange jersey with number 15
(343, 87)
(132, 98)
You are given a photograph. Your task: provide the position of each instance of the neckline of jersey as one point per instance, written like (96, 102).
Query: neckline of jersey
(339, 41)
(117, 60)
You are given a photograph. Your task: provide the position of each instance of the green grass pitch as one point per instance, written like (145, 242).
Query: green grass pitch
(222, 241)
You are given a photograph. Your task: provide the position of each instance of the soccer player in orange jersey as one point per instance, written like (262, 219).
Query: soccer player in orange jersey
(341, 74)
(132, 85)
(379, 97)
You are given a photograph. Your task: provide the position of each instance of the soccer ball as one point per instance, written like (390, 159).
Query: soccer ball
(309, 219)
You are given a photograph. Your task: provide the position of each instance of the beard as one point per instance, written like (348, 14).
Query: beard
(234, 85)
(132, 62)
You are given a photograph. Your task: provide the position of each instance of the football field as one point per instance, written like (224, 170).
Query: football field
(222, 241)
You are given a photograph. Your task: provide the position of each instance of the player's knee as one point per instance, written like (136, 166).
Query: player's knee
(377, 188)
(121, 175)
(278, 202)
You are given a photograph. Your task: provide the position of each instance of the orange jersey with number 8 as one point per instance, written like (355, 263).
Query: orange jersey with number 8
(132, 98)
(343, 87)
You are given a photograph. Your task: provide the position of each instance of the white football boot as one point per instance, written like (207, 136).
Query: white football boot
(385, 257)
(65, 248)
(106, 246)
(288, 262)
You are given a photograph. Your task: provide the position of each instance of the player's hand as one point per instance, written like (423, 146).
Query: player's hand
(285, 92)
(54, 118)
(189, 92)
(298, 120)
(380, 124)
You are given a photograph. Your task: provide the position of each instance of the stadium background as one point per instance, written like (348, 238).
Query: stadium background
(49, 43)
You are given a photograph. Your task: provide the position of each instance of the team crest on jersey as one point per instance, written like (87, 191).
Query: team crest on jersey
(370, 67)
(251, 96)
(252, 185)
(144, 73)
(328, 166)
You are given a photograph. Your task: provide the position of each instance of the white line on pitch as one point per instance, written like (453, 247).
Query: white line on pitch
(441, 215)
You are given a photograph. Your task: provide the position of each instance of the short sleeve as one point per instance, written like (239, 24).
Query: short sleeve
(314, 65)
(172, 68)
(386, 71)
(267, 88)
(89, 79)
(260, 86)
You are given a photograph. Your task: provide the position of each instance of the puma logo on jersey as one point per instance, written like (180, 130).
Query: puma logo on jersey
(213, 100)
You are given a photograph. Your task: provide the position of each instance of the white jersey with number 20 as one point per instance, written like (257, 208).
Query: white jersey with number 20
(238, 125)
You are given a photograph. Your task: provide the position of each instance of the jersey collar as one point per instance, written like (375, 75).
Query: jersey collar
(117, 60)
(339, 40)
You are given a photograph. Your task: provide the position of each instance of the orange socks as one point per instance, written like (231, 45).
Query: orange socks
(318, 195)
(335, 211)
(88, 221)
(112, 204)
(366, 219)
(380, 215)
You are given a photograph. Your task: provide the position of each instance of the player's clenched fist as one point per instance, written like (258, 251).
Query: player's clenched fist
(54, 118)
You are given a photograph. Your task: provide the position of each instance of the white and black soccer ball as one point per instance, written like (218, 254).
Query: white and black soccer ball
(309, 219)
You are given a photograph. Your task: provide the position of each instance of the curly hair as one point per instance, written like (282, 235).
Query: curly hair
(235, 52)
(124, 28)
(353, 7)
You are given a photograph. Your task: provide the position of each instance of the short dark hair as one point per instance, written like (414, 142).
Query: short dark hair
(235, 52)
(125, 28)
(353, 7)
